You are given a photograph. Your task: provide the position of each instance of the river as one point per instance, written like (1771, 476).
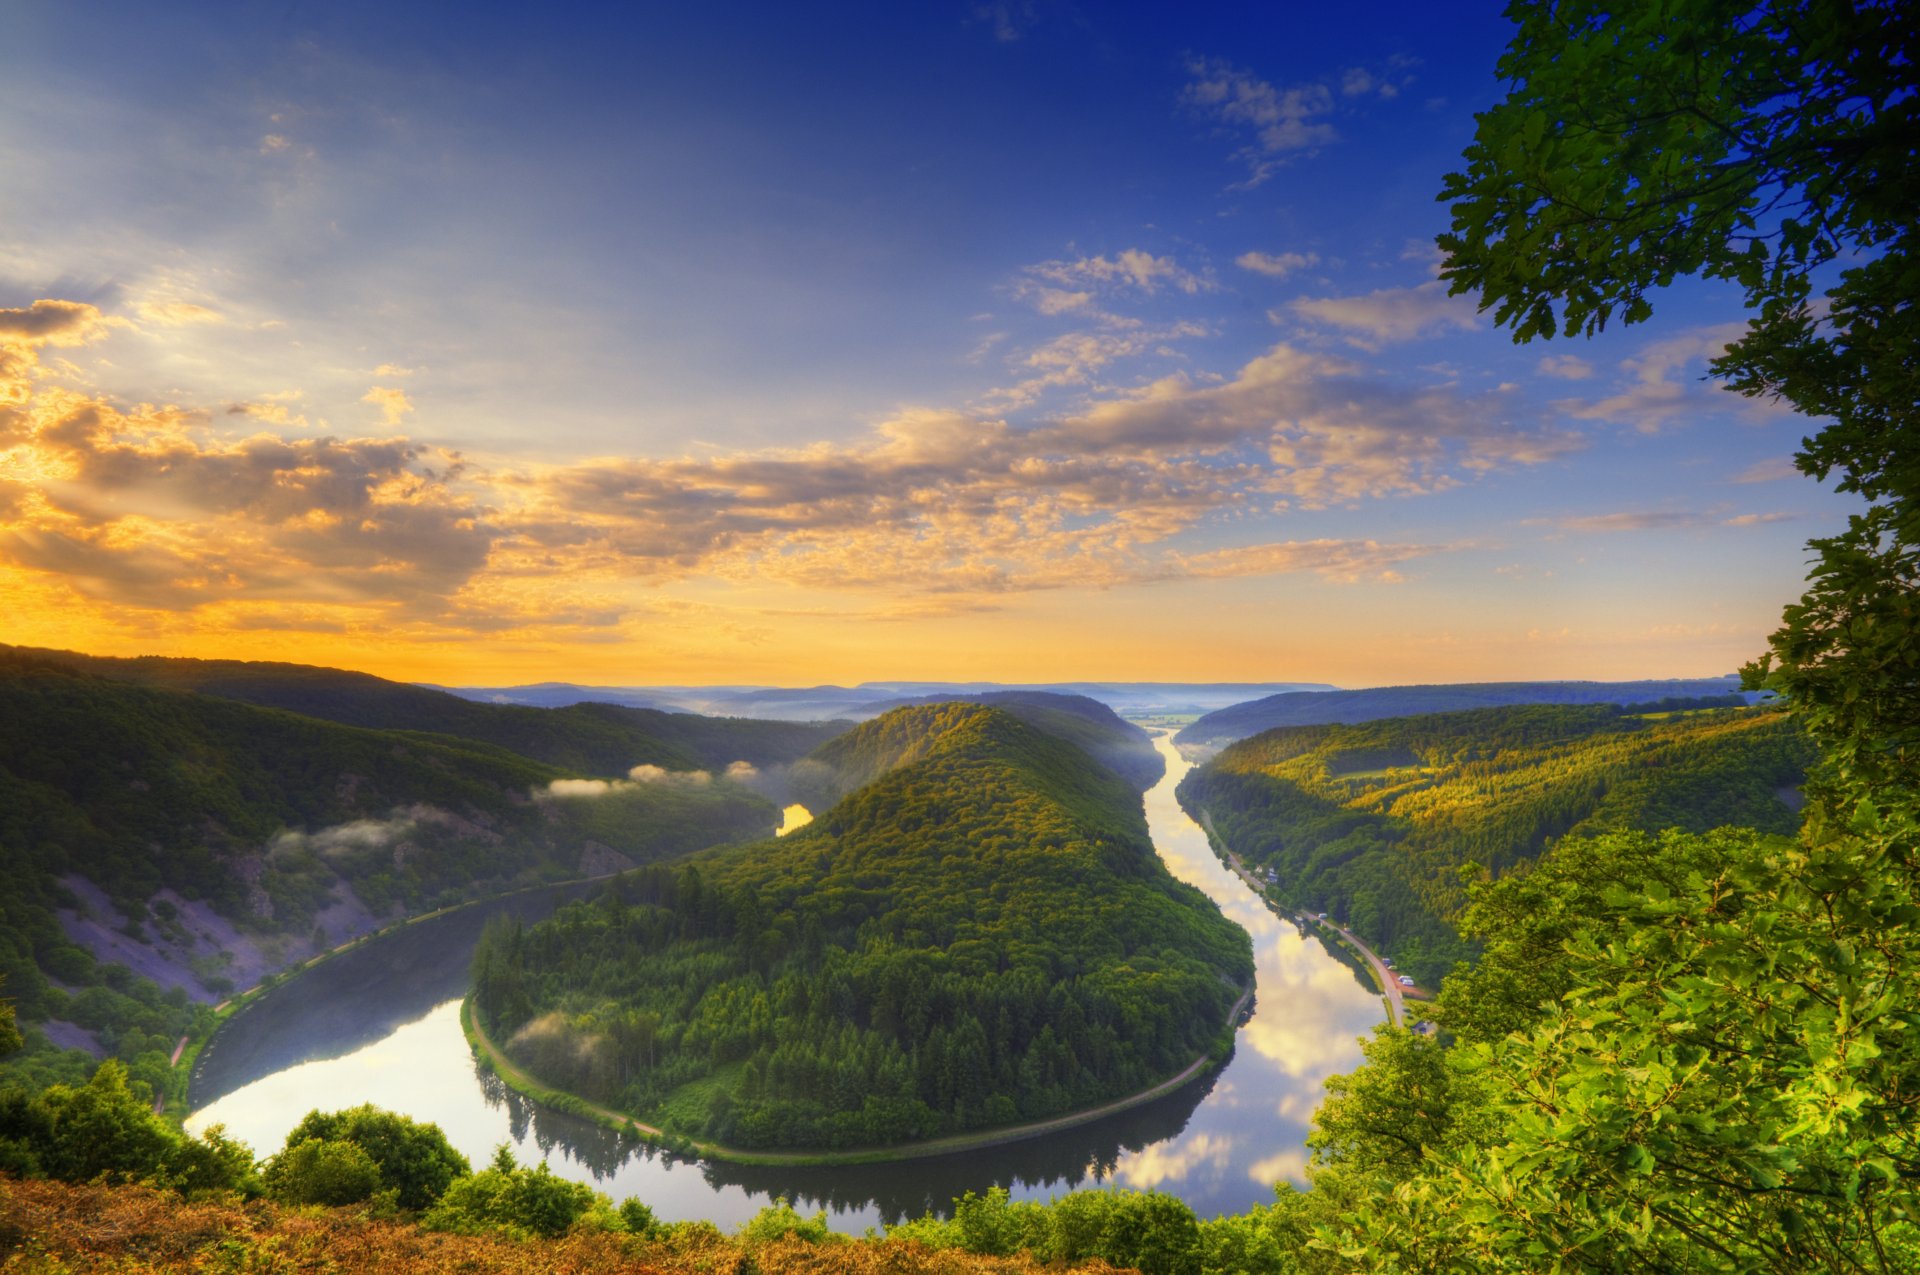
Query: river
(380, 1024)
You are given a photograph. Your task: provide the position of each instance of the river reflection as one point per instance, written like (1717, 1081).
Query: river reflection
(381, 1025)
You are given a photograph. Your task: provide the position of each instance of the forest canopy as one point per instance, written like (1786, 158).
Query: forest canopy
(979, 935)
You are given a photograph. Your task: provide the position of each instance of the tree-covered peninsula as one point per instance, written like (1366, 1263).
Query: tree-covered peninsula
(980, 935)
(1374, 823)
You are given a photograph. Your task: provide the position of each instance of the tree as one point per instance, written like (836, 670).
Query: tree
(319, 1171)
(414, 1159)
(1700, 1054)
(1771, 145)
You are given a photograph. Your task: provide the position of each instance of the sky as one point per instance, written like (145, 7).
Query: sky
(751, 343)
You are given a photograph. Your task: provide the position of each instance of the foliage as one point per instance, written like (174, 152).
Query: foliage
(512, 1200)
(1770, 145)
(106, 1130)
(52, 1227)
(411, 1158)
(1374, 823)
(1145, 1230)
(319, 1171)
(778, 1221)
(982, 935)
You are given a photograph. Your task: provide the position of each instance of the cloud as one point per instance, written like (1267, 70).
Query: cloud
(177, 314)
(641, 776)
(1053, 287)
(1772, 469)
(1649, 520)
(1654, 399)
(1283, 121)
(1276, 266)
(1757, 520)
(390, 369)
(342, 839)
(392, 402)
(1388, 315)
(939, 512)
(58, 323)
(1073, 359)
(935, 502)
(1568, 367)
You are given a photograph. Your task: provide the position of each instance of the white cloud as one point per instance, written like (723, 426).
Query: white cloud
(1276, 266)
(1772, 469)
(1388, 315)
(1283, 121)
(1133, 267)
(393, 403)
(1653, 398)
(1568, 367)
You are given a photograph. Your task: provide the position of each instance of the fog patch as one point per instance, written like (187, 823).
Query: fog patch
(641, 776)
(743, 772)
(344, 838)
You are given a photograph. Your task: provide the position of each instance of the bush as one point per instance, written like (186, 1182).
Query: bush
(322, 1171)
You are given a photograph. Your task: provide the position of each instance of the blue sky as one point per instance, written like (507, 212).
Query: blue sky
(751, 343)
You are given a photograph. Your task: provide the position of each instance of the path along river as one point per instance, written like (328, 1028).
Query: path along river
(380, 1024)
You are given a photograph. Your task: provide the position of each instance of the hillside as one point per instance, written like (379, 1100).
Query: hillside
(1317, 708)
(1373, 822)
(980, 935)
(153, 834)
(1086, 723)
(586, 739)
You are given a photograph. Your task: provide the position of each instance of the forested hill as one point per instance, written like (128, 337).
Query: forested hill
(1316, 708)
(982, 934)
(1085, 722)
(589, 739)
(205, 842)
(1373, 822)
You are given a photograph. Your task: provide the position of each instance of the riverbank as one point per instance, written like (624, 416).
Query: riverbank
(1392, 993)
(522, 1082)
(190, 1050)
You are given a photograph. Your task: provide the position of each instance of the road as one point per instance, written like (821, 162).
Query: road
(1388, 980)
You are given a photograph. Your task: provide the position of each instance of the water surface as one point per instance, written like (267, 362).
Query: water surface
(381, 1025)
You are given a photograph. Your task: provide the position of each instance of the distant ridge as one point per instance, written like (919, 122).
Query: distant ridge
(814, 703)
(1224, 726)
(587, 738)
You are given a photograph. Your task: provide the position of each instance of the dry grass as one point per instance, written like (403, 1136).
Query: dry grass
(49, 1227)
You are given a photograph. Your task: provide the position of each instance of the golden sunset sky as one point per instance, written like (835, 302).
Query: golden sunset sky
(967, 341)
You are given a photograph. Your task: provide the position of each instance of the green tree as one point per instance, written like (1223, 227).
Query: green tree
(320, 1171)
(517, 1201)
(414, 1159)
(1771, 145)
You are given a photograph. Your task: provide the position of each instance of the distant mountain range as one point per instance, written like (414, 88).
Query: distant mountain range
(870, 699)
(1328, 707)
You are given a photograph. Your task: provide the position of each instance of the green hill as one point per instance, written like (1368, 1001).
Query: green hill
(1319, 708)
(148, 833)
(1082, 721)
(587, 739)
(981, 934)
(1372, 823)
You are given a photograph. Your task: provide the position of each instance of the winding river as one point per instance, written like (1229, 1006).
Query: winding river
(380, 1024)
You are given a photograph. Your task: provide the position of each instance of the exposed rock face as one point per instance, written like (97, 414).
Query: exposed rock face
(189, 945)
(598, 860)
